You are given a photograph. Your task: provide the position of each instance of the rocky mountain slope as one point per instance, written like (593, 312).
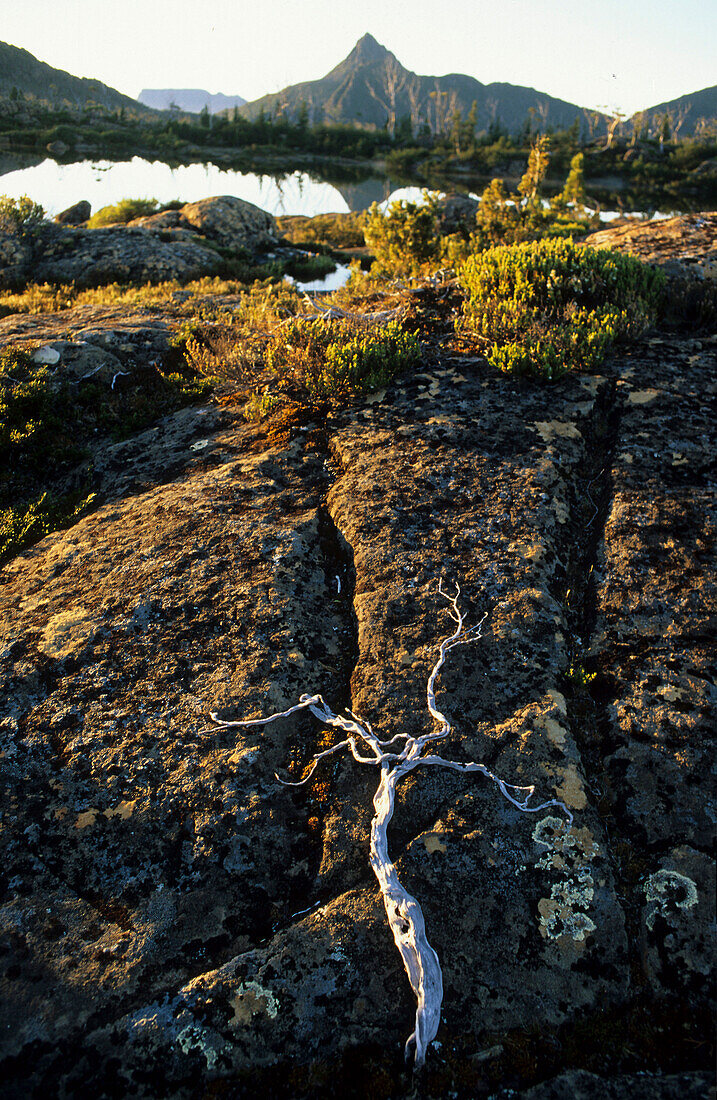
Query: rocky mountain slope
(686, 114)
(371, 87)
(176, 922)
(21, 71)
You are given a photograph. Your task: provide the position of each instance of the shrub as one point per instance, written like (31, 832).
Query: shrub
(122, 212)
(19, 216)
(404, 239)
(334, 230)
(546, 307)
(337, 358)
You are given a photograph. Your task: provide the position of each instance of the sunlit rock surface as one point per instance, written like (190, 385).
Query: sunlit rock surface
(175, 922)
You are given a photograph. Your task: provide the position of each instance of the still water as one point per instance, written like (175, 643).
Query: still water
(103, 183)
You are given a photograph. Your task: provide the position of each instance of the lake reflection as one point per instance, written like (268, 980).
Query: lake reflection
(103, 183)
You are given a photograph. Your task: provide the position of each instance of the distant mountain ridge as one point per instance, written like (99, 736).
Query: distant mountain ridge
(21, 71)
(370, 87)
(688, 113)
(189, 99)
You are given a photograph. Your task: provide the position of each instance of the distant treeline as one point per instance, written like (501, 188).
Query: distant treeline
(651, 163)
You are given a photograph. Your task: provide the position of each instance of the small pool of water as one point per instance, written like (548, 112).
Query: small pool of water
(333, 281)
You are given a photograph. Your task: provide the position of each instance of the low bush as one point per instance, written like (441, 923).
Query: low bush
(404, 240)
(547, 307)
(122, 212)
(334, 230)
(20, 216)
(48, 426)
(338, 358)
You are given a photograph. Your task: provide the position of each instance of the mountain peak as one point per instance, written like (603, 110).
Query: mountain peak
(367, 50)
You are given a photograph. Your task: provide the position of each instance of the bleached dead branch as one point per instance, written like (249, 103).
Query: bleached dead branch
(404, 914)
(334, 313)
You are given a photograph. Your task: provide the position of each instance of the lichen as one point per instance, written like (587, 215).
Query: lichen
(570, 850)
(194, 1038)
(249, 1000)
(668, 889)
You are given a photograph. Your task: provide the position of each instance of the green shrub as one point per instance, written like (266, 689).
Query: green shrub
(334, 230)
(547, 307)
(337, 358)
(404, 239)
(122, 212)
(19, 216)
(261, 405)
(21, 526)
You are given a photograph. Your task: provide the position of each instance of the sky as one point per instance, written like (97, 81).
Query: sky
(616, 54)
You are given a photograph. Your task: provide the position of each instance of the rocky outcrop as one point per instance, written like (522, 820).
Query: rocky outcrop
(177, 922)
(75, 215)
(684, 245)
(232, 223)
(179, 245)
(456, 214)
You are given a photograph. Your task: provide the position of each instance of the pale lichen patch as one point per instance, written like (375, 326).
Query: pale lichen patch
(571, 790)
(549, 429)
(252, 999)
(642, 397)
(68, 633)
(667, 890)
(563, 916)
(559, 700)
(192, 1038)
(434, 843)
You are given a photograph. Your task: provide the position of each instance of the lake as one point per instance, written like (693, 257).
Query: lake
(103, 183)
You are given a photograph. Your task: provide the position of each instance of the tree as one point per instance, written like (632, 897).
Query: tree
(404, 913)
(574, 189)
(413, 88)
(468, 135)
(456, 130)
(529, 186)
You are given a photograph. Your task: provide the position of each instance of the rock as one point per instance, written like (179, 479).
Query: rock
(678, 928)
(46, 355)
(75, 215)
(232, 223)
(15, 260)
(456, 214)
(177, 922)
(689, 240)
(169, 245)
(57, 148)
(90, 257)
(577, 1084)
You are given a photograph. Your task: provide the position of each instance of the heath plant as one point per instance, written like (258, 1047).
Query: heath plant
(547, 307)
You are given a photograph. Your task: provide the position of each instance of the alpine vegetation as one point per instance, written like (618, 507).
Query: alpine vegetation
(396, 758)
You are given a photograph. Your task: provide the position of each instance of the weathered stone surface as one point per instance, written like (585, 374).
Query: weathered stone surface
(91, 257)
(15, 257)
(657, 593)
(456, 214)
(75, 215)
(678, 927)
(686, 242)
(176, 922)
(231, 222)
(579, 1085)
(170, 245)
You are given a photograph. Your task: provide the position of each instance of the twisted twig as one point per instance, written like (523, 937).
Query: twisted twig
(404, 914)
